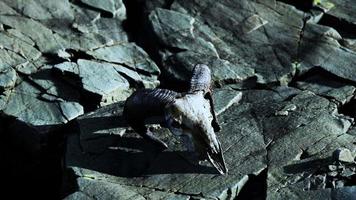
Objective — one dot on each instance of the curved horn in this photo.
(144, 104)
(201, 81)
(201, 78)
(149, 102)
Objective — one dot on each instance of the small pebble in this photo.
(332, 174)
(339, 184)
(332, 167)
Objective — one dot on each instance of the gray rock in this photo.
(210, 36)
(167, 171)
(349, 43)
(91, 188)
(225, 98)
(332, 174)
(4, 98)
(53, 88)
(23, 103)
(303, 129)
(128, 54)
(115, 7)
(285, 111)
(339, 184)
(44, 38)
(352, 131)
(347, 173)
(21, 48)
(332, 167)
(7, 79)
(318, 45)
(343, 10)
(42, 10)
(284, 84)
(98, 78)
(343, 155)
(319, 182)
(324, 86)
(6, 10)
(106, 121)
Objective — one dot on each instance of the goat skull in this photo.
(189, 116)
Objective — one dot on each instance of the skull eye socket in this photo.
(176, 124)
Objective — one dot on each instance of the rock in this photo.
(24, 104)
(349, 43)
(327, 47)
(115, 7)
(43, 37)
(90, 188)
(343, 155)
(332, 167)
(319, 182)
(347, 173)
(170, 169)
(283, 81)
(343, 10)
(224, 98)
(98, 78)
(128, 54)
(209, 36)
(40, 10)
(294, 132)
(332, 173)
(285, 111)
(339, 184)
(326, 85)
(7, 79)
(323, 4)
(106, 121)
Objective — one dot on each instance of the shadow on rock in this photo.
(307, 166)
(130, 156)
(33, 159)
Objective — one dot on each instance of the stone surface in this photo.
(238, 54)
(35, 38)
(159, 170)
(98, 78)
(343, 155)
(115, 7)
(128, 54)
(324, 85)
(284, 82)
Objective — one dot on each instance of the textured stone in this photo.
(224, 98)
(98, 78)
(210, 36)
(344, 10)
(128, 54)
(164, 170)
(115, 7)
(43, 37)
(24, 104)
(325, 86)
(343, 155)
(283, 82)
(318, 45)
(7, 78)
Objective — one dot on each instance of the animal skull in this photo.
(189, 116)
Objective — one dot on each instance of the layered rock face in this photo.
(284, 77)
